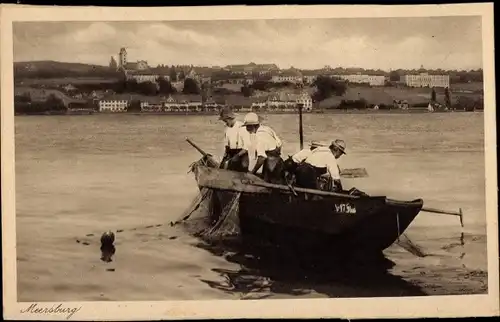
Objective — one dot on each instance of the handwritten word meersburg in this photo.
(54, 309)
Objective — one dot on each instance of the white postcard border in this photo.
(431, 306)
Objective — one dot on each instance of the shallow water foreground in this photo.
(81, 175)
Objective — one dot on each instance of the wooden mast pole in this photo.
(301, 130)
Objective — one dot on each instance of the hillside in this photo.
(52, 69)
(387, 95)
(42, 94)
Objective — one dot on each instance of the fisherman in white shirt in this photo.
(267, 149)
(236, 138)
(293, 161)
(304, 153)
(321, 162)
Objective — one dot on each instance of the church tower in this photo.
(123, 58)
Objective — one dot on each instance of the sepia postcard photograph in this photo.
(249, 162)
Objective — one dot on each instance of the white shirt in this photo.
(266, 140)
(301, 155)
(322, 157)
(250, 147)
(236, 137)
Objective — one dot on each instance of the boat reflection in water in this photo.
(265, 274)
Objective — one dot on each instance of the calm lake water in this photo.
(79, 174)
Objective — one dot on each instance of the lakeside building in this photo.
(426, 80)
(182, 102)
(306, 100)
(309, 79)
(196, 103)
(114, 103)
(253, 68)
(151, 104)
(373, 80)
(283, 101)
(153, 74)
(239, 81)
(259, 103)
(198, 77)
(174, 103)
(291, 75)
(142, 77)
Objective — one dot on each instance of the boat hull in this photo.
(312, 221)
(316, 226)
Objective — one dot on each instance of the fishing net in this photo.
(213, 214)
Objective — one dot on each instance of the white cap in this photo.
(251, 119)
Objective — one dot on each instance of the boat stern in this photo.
(381, 230)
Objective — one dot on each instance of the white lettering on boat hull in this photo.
(345, 208)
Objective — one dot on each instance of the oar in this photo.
(210, 160)
(440, 211)
(297, 189)
(411, 247)
(446, 212)
(416, 250)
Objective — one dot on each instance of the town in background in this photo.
(49, 87)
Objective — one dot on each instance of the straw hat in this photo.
(226, 113)
(251, 119)
(339, 144)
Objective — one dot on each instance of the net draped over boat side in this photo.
(213, 214)
(225, 214)
(195, 218)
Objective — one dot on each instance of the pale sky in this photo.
(385, 43)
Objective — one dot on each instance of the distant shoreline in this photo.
(212, 113)
(336, 111)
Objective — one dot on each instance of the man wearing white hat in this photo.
(235, 139)
(322, 161)
(267, 149)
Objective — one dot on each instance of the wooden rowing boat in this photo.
(307, 219)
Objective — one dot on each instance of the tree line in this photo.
(178, 72)
(24, 105)
(21, 73)
(60, 70)
(326, 87)
(263, 85)
(162, 86)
